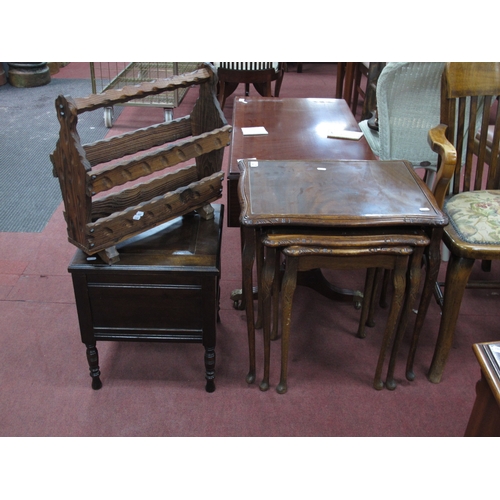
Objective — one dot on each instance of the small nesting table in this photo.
(339, 251)
(164, 288)
(367, 197)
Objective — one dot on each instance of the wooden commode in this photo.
(164, 288)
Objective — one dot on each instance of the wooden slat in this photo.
(205, 116)
(129, 93)
(148, 163)
(481, 153)
(144, 191)
(138, 140)
(495, 152)
(459, 141)
(471, 133)
(109, 231)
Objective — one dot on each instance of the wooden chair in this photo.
(260, 74)
(358, 79)
(486, 264)
(466, 187)
(96, 225)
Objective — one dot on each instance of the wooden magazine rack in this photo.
(96, 225)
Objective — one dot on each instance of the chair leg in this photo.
(457, 275)
(340, 80)
(355, 91)
(277, 86)
(263, 88)
(225, 90)
(348, 82)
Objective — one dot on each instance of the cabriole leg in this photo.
(399, 281)
(287, 292)
(265, 299)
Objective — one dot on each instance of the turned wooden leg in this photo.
(413, 282)
(399, 280)
(287, 291)
(210, 369)
(93, 360)
(265, 298)
(457, 275)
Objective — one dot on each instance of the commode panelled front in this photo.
(147, 307)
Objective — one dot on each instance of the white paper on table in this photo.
(345, 134)
(254, 130)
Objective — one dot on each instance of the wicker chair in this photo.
(408, 99)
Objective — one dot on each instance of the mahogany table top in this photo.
(342, 193)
